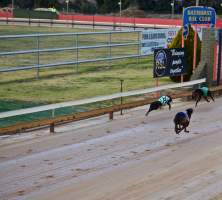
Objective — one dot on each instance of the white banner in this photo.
(156, 38)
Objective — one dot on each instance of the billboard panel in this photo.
(156, 38)
(198, 15)
(169, 62)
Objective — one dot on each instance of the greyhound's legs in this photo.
(185, 130)
(210, 95)
(147, 112)
(178, 128)
(206, 99)
(169, 106)
(198, 99)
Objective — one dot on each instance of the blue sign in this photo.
(169, 62)
(198, 15)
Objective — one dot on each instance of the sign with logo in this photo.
(156, 38)
(169, 62)
(198, 15)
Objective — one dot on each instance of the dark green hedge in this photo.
(22, 13)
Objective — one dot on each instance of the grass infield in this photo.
(22, 89)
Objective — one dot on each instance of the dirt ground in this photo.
(132, 157)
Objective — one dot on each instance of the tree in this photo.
(24, 4)
(88, 8)
(5, 3)
(46, 3)
(146, 5)
(109, 6)
(189, 46)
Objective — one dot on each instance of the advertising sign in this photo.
(156, 38)
(198, 15)
(169, 62)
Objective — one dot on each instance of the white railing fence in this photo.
(52, 107)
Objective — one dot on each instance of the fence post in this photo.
(51, 22)
(138, 49)
(29, 19)
(52, 128)
(111, 115)
(77, 53)
(110, 48)
(38, 58)
(7, 18)
(52, 124)
(114, 23)
(121, 98)
(93, 22)
(219, 56)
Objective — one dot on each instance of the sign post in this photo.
(181, 77)
(157, 85)
(195, 48)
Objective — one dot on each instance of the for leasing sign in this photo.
(156, 38)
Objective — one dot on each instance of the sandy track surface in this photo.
(132, 157)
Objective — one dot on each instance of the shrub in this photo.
(189, 47)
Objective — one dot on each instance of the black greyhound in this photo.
(182, 120)
(202, 92)
(162, 101)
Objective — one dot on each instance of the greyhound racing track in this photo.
(132, 157)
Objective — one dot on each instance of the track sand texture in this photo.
(132, 157)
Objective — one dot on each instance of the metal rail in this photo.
(64, 34)
(64, 63)
(66, 48)
(112, 25)
(109, 44)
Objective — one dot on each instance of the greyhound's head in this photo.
(189, 112)
(170, 99)
(196, 94)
